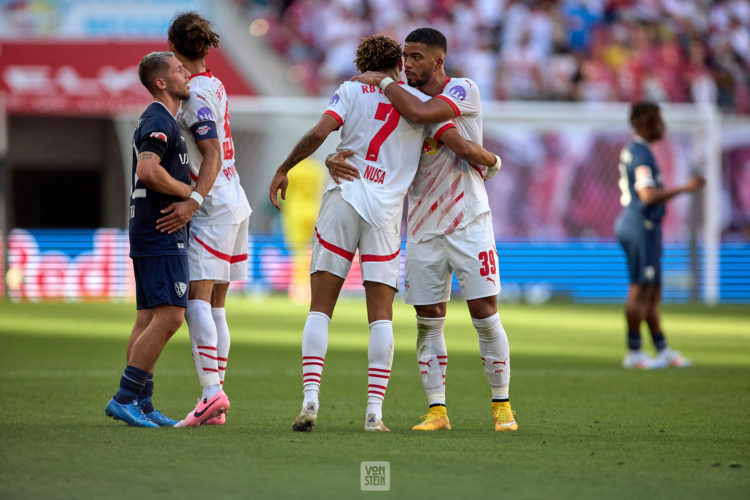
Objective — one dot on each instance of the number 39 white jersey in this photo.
(226, 203)
(387, 150)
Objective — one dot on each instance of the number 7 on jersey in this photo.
(390, 116)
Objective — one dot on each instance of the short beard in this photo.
(416, 83)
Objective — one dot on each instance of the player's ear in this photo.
(400, 65)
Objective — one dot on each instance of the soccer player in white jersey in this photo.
(449, 229)
(217, 252)
(363, 215)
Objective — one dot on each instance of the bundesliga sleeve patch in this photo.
(457, 92)
(205, 115)
(334, 100)
(159, 135)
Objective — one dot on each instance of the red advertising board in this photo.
(87, 77)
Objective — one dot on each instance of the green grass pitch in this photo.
(588, 428)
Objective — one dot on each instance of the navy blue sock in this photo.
(131, 384)
(634, 340)
(500, 400)
(144, 398)
(659, 341)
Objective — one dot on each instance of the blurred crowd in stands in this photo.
(581, 50)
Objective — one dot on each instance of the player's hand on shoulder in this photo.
(339, 168)
(280, 181)
(369, 77)
(176, 216)
(695, 183)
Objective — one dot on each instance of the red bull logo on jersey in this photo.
(159, 135)
(375, 175)
(430, 146)
(203, 130)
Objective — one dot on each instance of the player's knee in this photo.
(431, 311)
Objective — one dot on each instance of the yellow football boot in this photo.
(436, 420)
(504, 416)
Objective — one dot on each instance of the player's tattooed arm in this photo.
(307, 145)
(149, 170)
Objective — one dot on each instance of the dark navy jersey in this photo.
(638, 169)
(158, 132)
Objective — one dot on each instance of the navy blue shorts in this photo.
(161, 279)
(641, 241)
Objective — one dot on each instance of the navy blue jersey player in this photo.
(160, 182)
(638, 228)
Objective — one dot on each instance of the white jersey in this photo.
(387, 149)
(226, 202)
(448, 192)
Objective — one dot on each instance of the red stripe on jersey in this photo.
(379, 258)
(194, 177)
(333, 248)
(210, 370)
(204, 73)
(314, 363)
(208, 356)
(334, 115)
(379, 370)
(228, 258)
(455, 223)
(379, 376)
(478, 170)
(222, 359)
(445, 84)
(210, 348)
(375, 393)
(222, 368)
(313, 357)
(442, 130)
(378, 386)
(442, 357)
(452, 104)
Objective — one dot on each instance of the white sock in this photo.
(493, 347)
(432, 358)
(379, 361)
(222, 340)
(314, 347)
(203, 338)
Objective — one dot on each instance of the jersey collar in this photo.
(640, 140)
(205, 73)
(445, 84)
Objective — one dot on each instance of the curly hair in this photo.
(192, 36)
(377, 53)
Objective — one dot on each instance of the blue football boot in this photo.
(130, 413)
(160, 419)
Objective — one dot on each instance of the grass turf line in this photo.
(588, 428)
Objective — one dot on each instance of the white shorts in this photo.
(469, 252)
(218, 252)
(340, 231)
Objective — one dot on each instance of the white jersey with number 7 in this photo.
(387, 150)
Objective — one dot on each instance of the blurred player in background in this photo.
(218, 233)
(362, 215)
(638, 228)
(449, 230)
(306, 183)
(160, 179)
